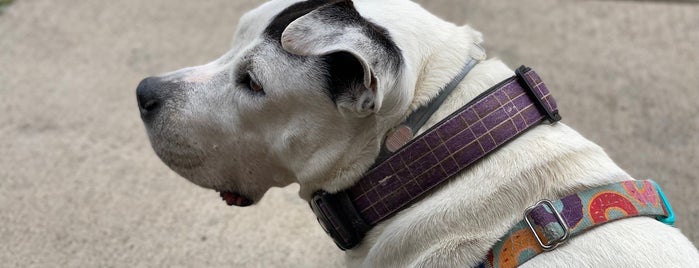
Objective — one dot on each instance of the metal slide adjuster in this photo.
(551, 245)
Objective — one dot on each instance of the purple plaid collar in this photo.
(488, 122)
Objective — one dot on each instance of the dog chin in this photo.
(231, 197)
(191, 165)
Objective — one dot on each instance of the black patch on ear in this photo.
(338, 11)
(345, 74)
(275, 28)
(344, 12)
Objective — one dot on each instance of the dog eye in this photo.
(251, 83)
(255, 86)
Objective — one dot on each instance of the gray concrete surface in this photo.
(80, 187)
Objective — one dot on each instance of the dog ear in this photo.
(360, 55)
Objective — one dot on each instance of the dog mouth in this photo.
(235, 199)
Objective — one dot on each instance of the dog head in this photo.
(305, 95)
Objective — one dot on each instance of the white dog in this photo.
(310, 89)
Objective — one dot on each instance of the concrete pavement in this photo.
(80, 186)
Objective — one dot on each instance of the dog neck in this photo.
(456, 224)
(467, 215)
(421, 80)
(459, 221)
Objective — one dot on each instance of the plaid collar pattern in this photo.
(488, 122)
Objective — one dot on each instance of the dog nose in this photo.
(149, 101)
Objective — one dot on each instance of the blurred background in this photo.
(80, 186)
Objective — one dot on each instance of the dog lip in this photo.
(235, 199)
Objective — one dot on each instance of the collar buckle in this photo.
(339, 219)
(553, 244)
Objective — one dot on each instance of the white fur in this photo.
(248, 144)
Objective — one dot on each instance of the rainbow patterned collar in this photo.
(549, 224)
